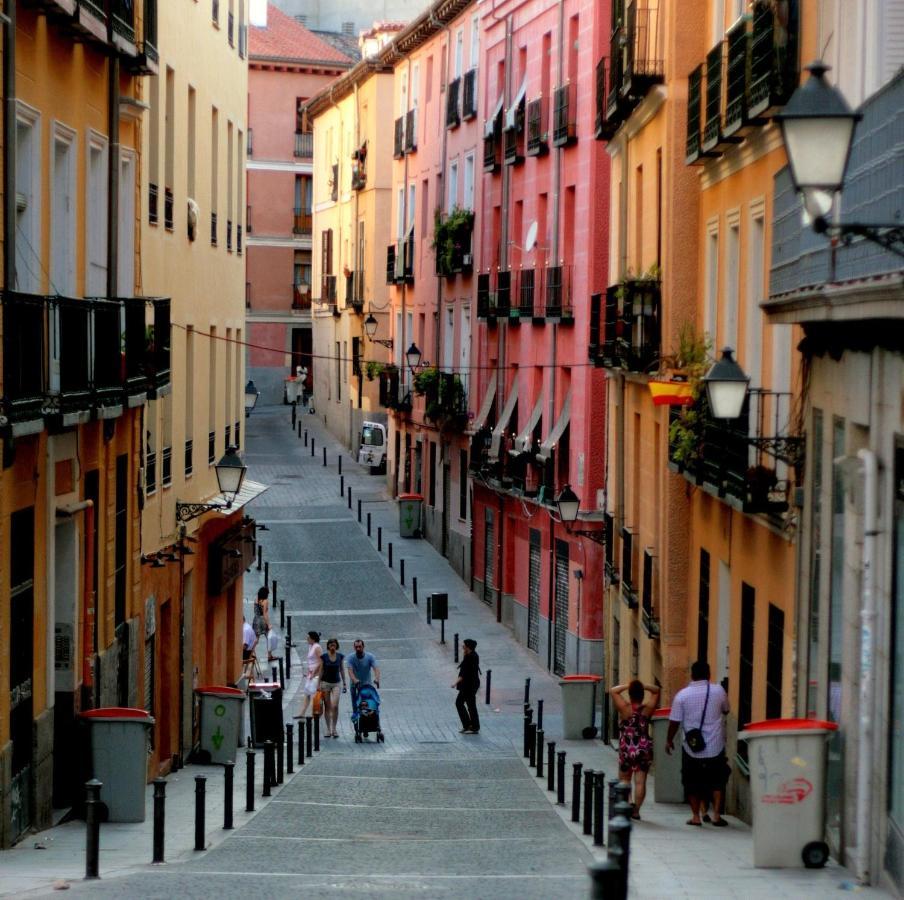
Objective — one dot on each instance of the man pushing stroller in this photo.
(365, 677)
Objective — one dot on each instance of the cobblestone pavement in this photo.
(430, 813)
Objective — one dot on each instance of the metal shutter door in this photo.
(489, 552)
(561, 606)
(533, 593)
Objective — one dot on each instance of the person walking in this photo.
(699, 709)
(362, 669)
(312, 673)
(635, 746)
(468, 683)
(261, 619)
(331, 675)
(249, 645)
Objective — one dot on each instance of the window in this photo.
(338, 374)
(463, 484)
(227, 380)
(753, 324)
(229, 163)
(468, 184)
(814, 670)
(345, 362)
(453, 186)
(431, 477)
(189, 398)
(120, 537)
(712, 279)
(703, 608)
(775, 654)
(403, 92)
(449, 339)
(62, 212)
(190, 144)
(475, 40)
(96, 231)
(212, 395)
(411, 208)
(464, 346)
(169, 147)
(126, 228)
(214, 168)
(153, 148)
(745, 663)
(729, 337)
(458, 59)
(400, 213)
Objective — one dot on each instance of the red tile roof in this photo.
(284, 38)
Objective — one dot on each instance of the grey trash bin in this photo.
(578, 706)
(119, 759)
(221, 721)
(667, 785)
(410, 515)
(787, 787)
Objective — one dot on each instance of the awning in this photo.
(558, 430)
(480, 419)
(511, 112)
(671, 393)
(250, 490)
(490, 124)
(502, 424)
(525, 438)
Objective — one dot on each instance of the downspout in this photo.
(440, 322)
(9, 146)
(112, 162)
(867, 671)
(357, 251)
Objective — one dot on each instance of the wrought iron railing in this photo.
(774, 68)
(189, 457)
(737, 65)
(526, 292)
(453, 108)
(411, 131)
(564, 130)
(558, 292)
(469, 94)
(302, 221)
(626, 332)
(123, 19)
(327, 288)
(304, 145)
(692, 148)
(712, 122)
(168, 208)
(536, 128)
(213, 228)
(152, 203)
(398, 145)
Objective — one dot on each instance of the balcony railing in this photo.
(359, 175)
(24, 356)
(394, 394)
(229, 234)
(513, 138)
(469, 94)
(189, 457)
(168, 208)
(604, 128)
(157, 359)
(446, 402)
(149, 42)
(354, 290)
(304, 144)
(536, 128)
(411, 131)
(328, 289)
(485, 298)
(503, 292)
(773, 57)
(650, 620)
(712, 120)
(454, 254)
(692, 148)
(213, 229)
(558, 293)
(498, 295)
(301, 295)
(453, 109)
(400, 262)
(631, 325)
(492, 145)
(211, 447)
(302, 221)
(564, 131)
(526, 293)
(238, 239)
(738, 41)
(152, 203)
(123, 19)
(398, 146)
(391, 264)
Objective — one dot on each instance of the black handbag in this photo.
(694, 738)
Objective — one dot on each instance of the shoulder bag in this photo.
(694, 738)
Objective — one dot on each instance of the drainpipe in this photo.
(867, 671)
(440, 322)
(9, 146)
(352, 443)
(112, 161)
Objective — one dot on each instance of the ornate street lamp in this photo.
(726, 386)
(370, 329)
(569, 505)
(818, 130)
(252, 394)
(413, 355)
(230, 472)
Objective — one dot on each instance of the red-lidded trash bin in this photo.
(410, 515)
(221, 721)
(579, 706)
(667, 786)
(266, 712)
(119, 759)
(787, 759)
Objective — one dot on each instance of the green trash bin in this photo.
(119, 759)
(410, 515)
(579, 706)
(221, 721)
(667, 785)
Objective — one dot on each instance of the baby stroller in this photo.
(366, 717)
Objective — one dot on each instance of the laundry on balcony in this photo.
(552, 439)
(671, 393)
(525, 439)
(502, 424)
(486, 405)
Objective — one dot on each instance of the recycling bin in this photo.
(119, 759)
(410, 515)
(221, 721)
(667, 786)
(266, 713)
(787, 759)
(579, 706)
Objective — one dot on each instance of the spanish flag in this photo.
(671, 393)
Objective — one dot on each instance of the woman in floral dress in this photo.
(635, 745)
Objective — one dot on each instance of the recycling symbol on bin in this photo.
(409, 519)
(219, 710)
(217, 738)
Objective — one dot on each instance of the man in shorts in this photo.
(362, 669)
(704, 772)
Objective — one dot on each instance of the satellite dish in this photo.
(531, 238)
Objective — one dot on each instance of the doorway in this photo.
(561, 607)
(489, 554)
(66, 654)
(533, 592)
(447, 501)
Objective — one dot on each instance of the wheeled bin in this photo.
(667, 786)
(410, 515)
(787, 759)
(221, 721)
(266, 713)
(119, 759)
(579, 706)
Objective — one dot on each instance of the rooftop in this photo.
(288, 40)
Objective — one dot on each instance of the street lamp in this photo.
(818, 130)
(230, 472)
(251, 397)
(413, 355)
(370, 329)
(726, 386)
(569, 504)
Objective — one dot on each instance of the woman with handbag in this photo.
(331, 675)
(313, 672)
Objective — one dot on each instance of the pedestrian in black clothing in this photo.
(468, 683)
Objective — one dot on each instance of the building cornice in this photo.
(343, 86)
(328, 67)
(755, 146)
(850, 301)
(638, 120)
(277, 165)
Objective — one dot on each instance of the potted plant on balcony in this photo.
(450, 239)
(761, 483)
(373, 369)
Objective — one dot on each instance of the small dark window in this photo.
(121, 537)
(775, 657)
(432, 476)
(745, 667)
(703, 607)
(463, 484)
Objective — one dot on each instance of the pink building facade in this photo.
(543, 243)
(430, 266)
(287, 65)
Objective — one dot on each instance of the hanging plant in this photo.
(449, 236)
(426, 380)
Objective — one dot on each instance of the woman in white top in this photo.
(314, 668)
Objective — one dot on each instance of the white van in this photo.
(372, 447)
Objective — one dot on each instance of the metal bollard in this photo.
(539, 714)
(260, 558)
(280, 761)
(620, 847)
(288, 647)
(294, 415)
(159, 818)
(599, 788)
(312, 445)
(274, 674)
(429, 608)
(274, 599)
(606, 880)
(528, 720)
(402, 572)
(249, 779)
(560, 778)
(309, 736)
(282, 673)
(200, 797)
(339, 464)
(532, 744)
(324, 455)
(359, 511)
(267, 574)
(539, 752)
(550, 766)
(300, 743)
(368, 524)
(489, 683)
(414, 589)
(576, 791)
(317, 733)
(341, 485)
(306, 437)
(588, 801)
(268, 768)
(299, 431)
(622, 792)
(228, 781)
(527, 690)
(612, 798)
(379, 538)
(92, 828)
(389, 552)
(290, 746)
(456, 646)
(349, 491)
